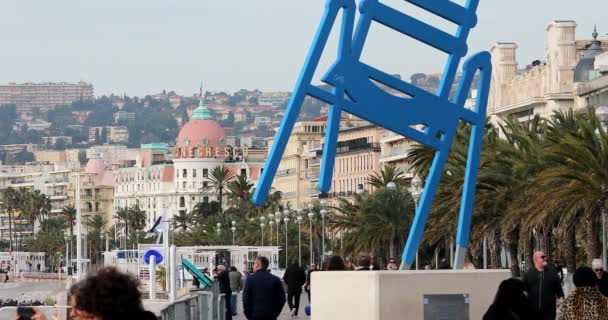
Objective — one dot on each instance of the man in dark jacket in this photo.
(295, 278)
(364, 262)
(224, 279)
(263, 295)
(543, 287)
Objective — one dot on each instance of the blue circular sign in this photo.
(152, 252)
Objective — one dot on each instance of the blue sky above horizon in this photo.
(141, 47)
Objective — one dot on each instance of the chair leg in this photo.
(424, 208)
(329, 149)
(482, 62)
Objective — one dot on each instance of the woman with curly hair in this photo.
(108, 295)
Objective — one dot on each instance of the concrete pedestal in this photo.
(389, 295)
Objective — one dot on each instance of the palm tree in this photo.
(218, 179)
(137, 220)
(387, 174)
(184, 220)
(375, 221)
(240, 190)
(69, 216)
(578, 180)
(10, 200)
(123, 216)
(97, 224)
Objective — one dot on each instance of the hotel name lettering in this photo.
(211, 152)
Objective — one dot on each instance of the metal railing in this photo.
(206, 304)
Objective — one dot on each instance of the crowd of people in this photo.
(110, 294)
(539, 295)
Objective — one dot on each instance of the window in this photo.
(182, 202)
(243, 172)
(185, 173)
(205, 199)
(184, 184)
(193, 199)
(193, 173)
(205, 173)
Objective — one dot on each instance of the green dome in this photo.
(201, 113)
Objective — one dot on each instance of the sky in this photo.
(141, 47)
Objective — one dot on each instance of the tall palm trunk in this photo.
(593, 243)
(569, 243)
(495, 247)
(10, 229)
(513, 240)
(221, 192)
(528, 248)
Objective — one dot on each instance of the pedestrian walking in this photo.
(586, 301)
(263, 294)
(510, 303)
(543, 287)
(313, 268)
(224, 281)
(295, 278)
(236, 285)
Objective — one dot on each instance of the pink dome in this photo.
(204, 132)
(95, 165)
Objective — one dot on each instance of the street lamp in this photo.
(277, 216)
(101, 237)
(323, 214)
(311, 215)
(271, 224)
(233, 229)
(219, 229)
(65, 237)
(262, 219)
(601, 113)
(416, 183)
(299, 219)
(286, 220)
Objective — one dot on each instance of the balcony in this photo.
(312, 192)
(312, 176)
(285, 172)
(315, 162)
(58, 197)
(391, 137)
(358, 147)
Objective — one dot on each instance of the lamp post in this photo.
(286, 220)
(416, 183)
(66, 238)
(277, 219)
(601, 113)
(323, 214)
(271, 224)
(299, 219)
(311, 215)
(101, 237)
(233, 229)
(219, 229)
(262, 219)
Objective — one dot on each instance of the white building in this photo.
(177, 180)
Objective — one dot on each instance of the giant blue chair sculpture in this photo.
(355, 91)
